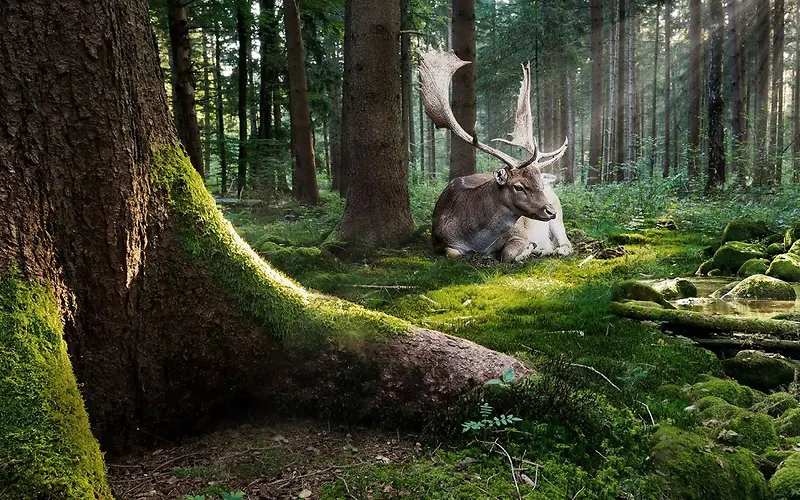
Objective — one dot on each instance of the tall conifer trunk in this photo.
(462, 155)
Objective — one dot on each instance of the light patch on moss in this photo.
(290, 312)
(46, 447)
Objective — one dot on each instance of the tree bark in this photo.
(715, 103)
(622, 93)
(776, 109)
(208, 118)
(304, 175)
(667, 78)
(762, 26)
(185, 111)
(405, 83)
(796, 101)
(595, 138)
(695, 88)
(221, 143)
(653, 128)
(335, 124)
(462, 155)
(734, 10)
(378, 209)
(169, 317)
(266, 38)
(242, 29)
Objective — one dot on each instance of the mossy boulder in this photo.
(672, 391)
(775, 249)
(678, 288)
(635, 290)
(733, 254)
(761, 287)
(705, 267)
(690, 467)
(788, 316)
(788, 424)
(715, 273)
(728, 390)
(776, 404)
(792, 235)
(759, 370)
(735, 425)
(707, 402)
(785, 483)
(744, 230)
(46, 447)
(753, 266)
(795, 250)
(785, 267)
(720, 292)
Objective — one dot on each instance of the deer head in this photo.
(520, 181)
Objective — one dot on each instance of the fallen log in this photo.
(714, 323)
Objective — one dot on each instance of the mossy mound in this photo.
(775, 249)
(735, 425)
(795, 250)
(689, 467)
(720, 292)
(759, 370)
(733, 254)
(788, 424)
(705, 268)
(776, 404)
(46, 447)
(296, 260)
(788, 316)
(629, 239)
(759, 286)
(753, 266)
(678, 288)
(728, 390)
(634, 290)
(672, 391)
(785, 267)
(744, 230)
(707, 402)
(719, 273)
(792, 235)
(785, 483)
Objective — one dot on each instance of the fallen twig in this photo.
(597, 372)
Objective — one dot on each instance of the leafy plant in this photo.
(194, 497)
(489, 422)
(233, 495)
(508, 377)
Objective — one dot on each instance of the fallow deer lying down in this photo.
(476, 213)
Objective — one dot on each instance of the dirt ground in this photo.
(264, 460)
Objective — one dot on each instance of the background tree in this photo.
(595, 146)
(715, 104)
(462, 155)
(695, 87)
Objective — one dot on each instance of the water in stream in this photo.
(740, 307)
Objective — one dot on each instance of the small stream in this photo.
(756, 308)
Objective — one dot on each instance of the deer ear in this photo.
(501, 176)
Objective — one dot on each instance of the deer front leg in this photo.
(557, 232)
(516, 250)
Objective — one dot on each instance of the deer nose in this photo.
(550, 211)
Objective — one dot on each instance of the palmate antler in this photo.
(436, 71)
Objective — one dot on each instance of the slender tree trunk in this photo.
(778, 23)
(653, 128)
(242, 13)
(715, 104)
(762, 91)
(631, 102)
(221, 145)
(796, 101)
(612, 93)
(695, 88)
(571, 163)
(622, 92)
(667, 85)
(266, 49)
(735, 66)
(208, 119)
(378, 209)
(462, 155)
(422, 119)
(304, 176)
(335, 124)
(595, 138)
(186, 111)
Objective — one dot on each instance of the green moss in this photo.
(677, 288)
(706, 267)
(759, 286)
(291, 313)
(785, 483)
(759, 370)
(46, 447)
(785, 267)
(744, 230)
(689, 467)
(733, 254)
(775, 248)
(629, 239)
(728, 390)
(795, 250)
(788, 424)
(753, 266)
(792, 235)
(634, 290)
(707, 402)
(776, 404)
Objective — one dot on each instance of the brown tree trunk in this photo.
(653, 128)
(695, 88)
(405, 83)
(762, 25)
(462, 155)
(168, 315)
(776, 109)
(613, 57)
(266, 49)
(667, 78)
(222, 150)
(208, 118)
(595, 137)
(335, 125)
(242, 34)
(715, 103)
(185, 111)
(734, 10)
(304, 176)
(378, 209)
(622, 93)
(796, 102)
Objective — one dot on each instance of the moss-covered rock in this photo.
(678, 288)
(720, 292)
(690, 467)
(707, 402)
(729, 390)
(775, 249)
(735, 425)
(733, 254)
(705, 267)
(776, 404)
(629, 239)
(795, 248)
(785, 483)
(46, 447)
(715, 273)
(785, 267)
(635, 290)
(744, 230)
(792, 235)
(672, 391)
(753, 266)
(788, 316)
(759, 370)
(761, 287)
(788, 424)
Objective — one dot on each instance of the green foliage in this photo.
(489, 422)
(46, 447)
(233, 495)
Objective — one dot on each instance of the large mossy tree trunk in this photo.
(169, 317)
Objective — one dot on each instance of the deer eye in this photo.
(518, 188)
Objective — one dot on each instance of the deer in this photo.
(505, 213)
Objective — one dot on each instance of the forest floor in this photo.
(587, 417)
